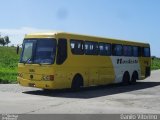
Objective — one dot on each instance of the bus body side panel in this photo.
(65, 73)
(124, 64)
(95, 70)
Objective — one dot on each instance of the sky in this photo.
(135, 20)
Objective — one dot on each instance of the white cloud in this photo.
(17, 35)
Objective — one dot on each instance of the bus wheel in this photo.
(126, 78)
(134, 78)
(77, 83)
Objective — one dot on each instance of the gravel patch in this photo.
(15, 88)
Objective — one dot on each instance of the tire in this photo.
(77, 83)
(134, 78)
(126, 79)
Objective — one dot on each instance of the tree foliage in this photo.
(4, 40)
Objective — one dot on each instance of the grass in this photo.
(155, 64)
(9, 61)
(8, 64)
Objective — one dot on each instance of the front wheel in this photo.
(77, 83)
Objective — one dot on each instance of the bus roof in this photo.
(74, 35)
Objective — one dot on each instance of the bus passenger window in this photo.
(104, 49)
(116, 50)
(135, 51)
(95, 48)
(77, 47)
(88, 48)
(127, 50)
(91, 48)
(146, 52)
(62, 51)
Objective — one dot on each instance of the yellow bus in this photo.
(60, 60)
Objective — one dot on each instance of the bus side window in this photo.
(95, 48)
(127, 50)
(117, 50)
(77, 47)
(91, 48)
(62, 51)
(135, 51)
(88, 48)
(146, 52)
(104, 49)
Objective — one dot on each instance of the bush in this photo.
(155, 64)
(8, 64)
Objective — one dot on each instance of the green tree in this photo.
(6, 39)
(2, 41)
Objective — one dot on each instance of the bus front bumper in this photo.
(35, 84)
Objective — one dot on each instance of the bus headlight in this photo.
(20, 75)
(48, 77)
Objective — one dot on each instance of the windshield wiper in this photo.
(44, 63)
(27, 60)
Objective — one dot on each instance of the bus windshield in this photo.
(38, 51)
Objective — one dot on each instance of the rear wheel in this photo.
(77, 83)
(126, 78)
(134, 78)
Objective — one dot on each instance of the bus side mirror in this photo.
(17, 49)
